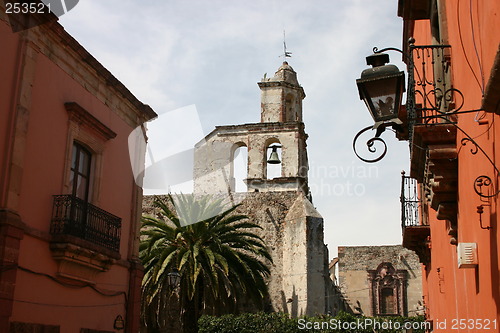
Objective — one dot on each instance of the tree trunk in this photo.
(189, 316)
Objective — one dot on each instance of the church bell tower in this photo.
(280, 203)
(281, 97)
(280, 130)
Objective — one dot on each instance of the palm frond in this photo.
(210, 245)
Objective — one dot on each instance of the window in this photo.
(87, 137)
(388, 290)
(79, 228)
(387, 301)
(80, 172)
(435, 23)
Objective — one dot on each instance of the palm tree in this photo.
(219, 258)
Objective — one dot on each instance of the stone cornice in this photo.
(255, 127)
(51, 40)
(82, 116)
(434, 162)
(263, 84)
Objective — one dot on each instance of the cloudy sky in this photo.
(209, 55)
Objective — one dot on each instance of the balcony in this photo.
(416, 234)
(75, 217)
(431, 98)
(85, 238)
(433, 104)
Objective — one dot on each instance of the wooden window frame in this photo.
(92, 134)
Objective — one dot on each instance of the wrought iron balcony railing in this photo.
(416, 231)
(78, 218)
(431, 97)
(410, 203)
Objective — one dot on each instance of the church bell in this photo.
(274, 158)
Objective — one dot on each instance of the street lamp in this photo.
(381, 88)
(174, 279)
(119, 323)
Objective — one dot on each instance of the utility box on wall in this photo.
(467, 255)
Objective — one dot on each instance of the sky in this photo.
(207, 57)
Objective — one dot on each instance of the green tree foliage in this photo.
(282, 323)
(219, 257)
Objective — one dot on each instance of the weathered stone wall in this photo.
(269, 210)
(281, 96)
(291, 228)
(356, 261)
(294, 238)
(304, 264)
(281, 124)
(213, 157)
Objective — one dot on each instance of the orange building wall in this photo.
(8, 75)
(38, 298)
(454, 294)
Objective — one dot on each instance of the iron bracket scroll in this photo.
(370, 144)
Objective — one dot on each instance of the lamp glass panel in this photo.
(173, 279)
(382, 97)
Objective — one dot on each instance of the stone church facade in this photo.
(379, 280)
(291, 227)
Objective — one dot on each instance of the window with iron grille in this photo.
(410, 202)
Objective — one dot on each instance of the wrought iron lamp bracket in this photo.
(371, 143)
(376, 50)
(433, 91)
(481, 182)
(438, 97)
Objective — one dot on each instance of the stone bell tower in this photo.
(280, 126)
(281, 97)
(291, 227)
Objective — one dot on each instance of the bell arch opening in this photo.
(273, 165)
(239, 167)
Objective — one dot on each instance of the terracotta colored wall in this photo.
(41, 145)
(8, 62)
(468, 293)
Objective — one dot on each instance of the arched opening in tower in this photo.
(239, 168)
(273, 161)
(290, 108)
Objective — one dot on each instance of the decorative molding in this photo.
(277, 184)
(81, 116)
(434, 163)
(417, 238)
(387, 277)
(80, 263)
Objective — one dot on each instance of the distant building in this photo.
(378, 281)
(69, 205)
